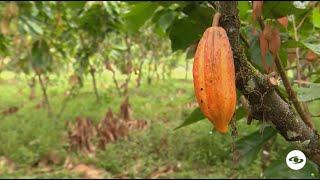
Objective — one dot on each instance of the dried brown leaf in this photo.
(275, 41)
(283, 21)
(267, 32)
(257, 9)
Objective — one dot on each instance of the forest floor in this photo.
(35, 146)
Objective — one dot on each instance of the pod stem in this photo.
(216, 18)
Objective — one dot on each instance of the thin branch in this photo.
(292, 95)
(295, 30)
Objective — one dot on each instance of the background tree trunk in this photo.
(94, 83)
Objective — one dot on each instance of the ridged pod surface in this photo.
(214, 78)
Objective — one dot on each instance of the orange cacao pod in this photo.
(214, 78)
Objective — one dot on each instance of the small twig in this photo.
(295, 30)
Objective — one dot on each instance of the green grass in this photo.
(30, 135)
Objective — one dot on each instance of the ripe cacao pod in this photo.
(214, 78)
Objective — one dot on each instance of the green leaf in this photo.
(292, 44)
(283, 54)
(194, 117)
(187, 30)
(255, 52)
(41, 57)
(240, 113)
(197, 115)
(249, 146)
(183, 33)
(75, 4)
(314, 47)
(33, 25)
(317, 80)
(200, 14)
(166, 19)
(279, 169)
(277, 9)
(191, 51)
(244, 9)
(139, 14)
(306, 28)
(310, 93)
(316, 17)
(163, 20)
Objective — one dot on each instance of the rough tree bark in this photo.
(265, 102)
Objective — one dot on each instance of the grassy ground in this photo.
(191, 152)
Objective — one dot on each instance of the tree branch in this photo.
(292, 95)
(265, 102)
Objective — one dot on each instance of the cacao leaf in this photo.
(311, 93)
(194, 117)
(314, 47)
(276, 9)
(249, 146)
(139, 14)
(316, 17)
(180, 38)
(244, 8)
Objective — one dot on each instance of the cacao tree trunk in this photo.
(94, 83)
(66, 100)
(156, 71)
(32, 85)
(116, 82)
(140, 73)
(187, 68)
(149, 72)
(45, 95)
(163, 71)
(265, 103)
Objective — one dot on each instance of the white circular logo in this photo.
(296, 160)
